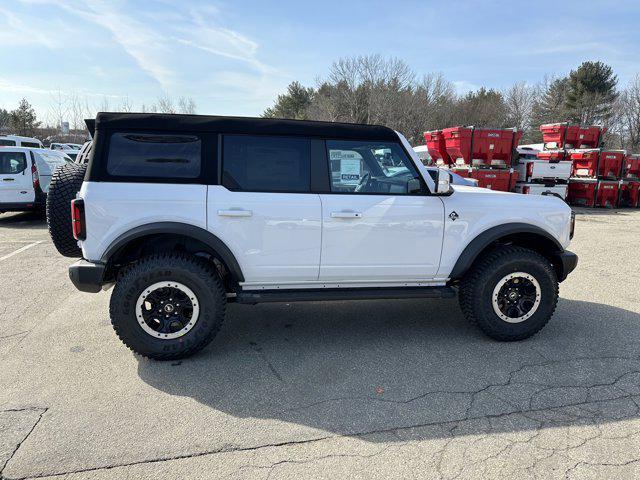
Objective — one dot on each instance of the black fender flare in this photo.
(486, 238)
(185, 229)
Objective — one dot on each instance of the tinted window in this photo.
(152, 155)
(7, 143)
(30, 144)
(266, 164)
(12, 162)
(369, 167)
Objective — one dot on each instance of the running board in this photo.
(338, 294)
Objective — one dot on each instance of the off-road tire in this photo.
(476, 289)
(193, 272)
(65, 183)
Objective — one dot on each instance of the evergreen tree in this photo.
(591, 93)
(293, 104)
(23, 119)
(550, 107)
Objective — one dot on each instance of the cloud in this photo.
(464, 86)
(159, 37)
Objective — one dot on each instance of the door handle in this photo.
(235, 213)
(8, 179)
(346, 215)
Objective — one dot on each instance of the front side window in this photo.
(266, 164)
(154, 155)
(12, 163)
(370, 167)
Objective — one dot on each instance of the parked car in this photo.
(18, 141)
(183, 214)
(25, 174)
(65, 146)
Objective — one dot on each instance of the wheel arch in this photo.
(168, 236)
(521, 234)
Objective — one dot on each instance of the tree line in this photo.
(73, 109)
(378, 90)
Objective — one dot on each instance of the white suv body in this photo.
(274, 237)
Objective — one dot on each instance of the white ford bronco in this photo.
(182, 214)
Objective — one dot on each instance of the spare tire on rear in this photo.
(65, 183)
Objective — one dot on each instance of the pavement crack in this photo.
(14, 334)
(15, 450)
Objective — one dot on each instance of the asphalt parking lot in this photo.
(377, 389)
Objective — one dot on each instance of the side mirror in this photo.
(443, 185)
(414, 186)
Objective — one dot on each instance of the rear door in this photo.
(16, 183)
(377, 229)
(264, 210)
(46, 163)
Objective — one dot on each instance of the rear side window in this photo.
(266, 164)
(30, 144)
(12, 162)
(154, 155)
(7, 143)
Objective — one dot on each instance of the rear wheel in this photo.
(510, 293)
(168, 306)
(65, 183)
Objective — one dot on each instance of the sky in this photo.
(234, 57)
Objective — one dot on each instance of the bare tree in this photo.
(165, 104)
(126, 105)
(186, 105)
(627, 119)
(519, 100)
(58, 109)
(104, 105)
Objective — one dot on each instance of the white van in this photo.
(18, 141)
(25, 174)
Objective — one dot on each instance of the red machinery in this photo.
(564, 135)
(630, 193)
(607, 194)
(552, 155)
(481, 146)
(611, 162)
(582, 192)
(585, 162)
(436, 147)
(499, 179)
(632, 166)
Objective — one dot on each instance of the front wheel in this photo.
(510, 293)
(168, 306)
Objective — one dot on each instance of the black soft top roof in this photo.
(245, 125)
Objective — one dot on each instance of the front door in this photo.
(16, 182)
(264, 210)
(377, 228)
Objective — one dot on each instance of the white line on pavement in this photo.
(20, 250)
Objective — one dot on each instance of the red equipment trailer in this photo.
(481, 146)
(607, 193)
(630, 193)
(585, 162)
(437, 148)
(610, 165)
(582, 192)
(632, 166)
